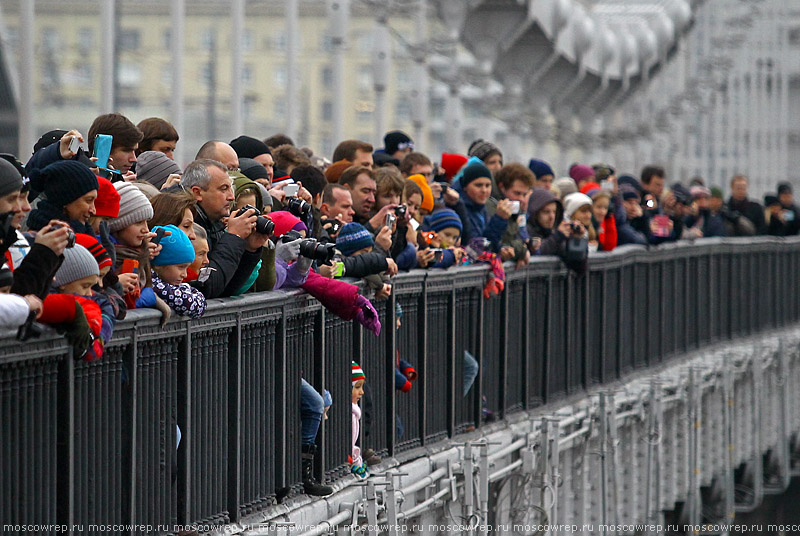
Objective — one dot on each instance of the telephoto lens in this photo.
(312, 249)
(298, 207)
(264, 225)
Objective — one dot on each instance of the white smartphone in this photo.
(414, 224)
(515, 207)
(74, 145)
(291, 190)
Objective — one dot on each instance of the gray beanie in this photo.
(78, 263)
(10, 179)
(155, 167)
(565, 186)
(133, 207)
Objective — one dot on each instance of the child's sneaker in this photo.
(361, 471)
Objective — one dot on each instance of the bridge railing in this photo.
(96, 443)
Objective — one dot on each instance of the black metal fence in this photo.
(84, 444)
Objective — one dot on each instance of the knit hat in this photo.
(540, 168)
(483, 149)
(6, 277)
(133, 207)
(602, 171)
(356, 374)
(700, 191)
(575, 201)
(716, 192)
(397, 140)
(353, 237)
(252, 169)
(247, 147)
(63, 181)
(771, 199)
(107, 201)
(441, 219)
(10, 179)
(589, 186)
(240, 183)
(286, 221)
(580, 172)
(682, 194)
(78, 263)
(49, 138)
(633, 182)
(175, 248)
(427, 193)
(327, 399)
(784, 188)
(628, 192)
(336, 169)
(452, 164)
(155, 167)
(565, 186)
(94, 247)
(473, 171)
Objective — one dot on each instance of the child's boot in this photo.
(310, 484)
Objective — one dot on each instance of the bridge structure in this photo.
(658, 389)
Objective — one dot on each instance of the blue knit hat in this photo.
(441, 219)
(353, 237)
(175, 248)
(540, 168)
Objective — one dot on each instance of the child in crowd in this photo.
(447, 226)
(357, 466)
(100, 291)
(170, 269)
(201, 249)
(604, 222)
(354, 240)
(578, 207)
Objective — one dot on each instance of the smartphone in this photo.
(515, 207)
(413, 223)
(390, 219)
(338, 271)
(75, 145)
(291, 190)
(130, 266)
(607, 185)
(102, 149)
(160, 232)
(437, 254)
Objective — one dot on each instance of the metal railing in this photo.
(95, 443)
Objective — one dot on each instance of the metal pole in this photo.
(26, 126)
(339, 16)
(237, 95)
(419, 94)
(177, 11)
(107, 58)
(381, 64)
(292, 72)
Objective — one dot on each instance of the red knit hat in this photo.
(452, 164)
(107, 202)
(95, 248)
(589, 186)
(285, 222)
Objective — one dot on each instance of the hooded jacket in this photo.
(552, 239)
(480, 223)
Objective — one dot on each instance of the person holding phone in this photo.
(515, 182)
(70, 189)
(475, 188)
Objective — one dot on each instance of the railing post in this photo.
(390, 333)
(65, 506)
(234, 418)
(478, 383)
(502, 395)
(318, 379)
(282, 456)
(129, 439)
(423, 353)
(184, 422)
(451, 365)
(526, 343)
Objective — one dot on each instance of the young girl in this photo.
(578, 207)
(169, 270)
(357, 465)
(604, 222)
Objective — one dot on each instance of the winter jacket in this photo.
(515, 236)
(752, 211)
(230, 264)
(288, 275)
(339, 297)
(710, 224)
(183, 299)
(36, 271)
(606, 233)
(554, 242)
(13, 310)
(365, 264)
(356, 451)
(481, 224)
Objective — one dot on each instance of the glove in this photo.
(303, 264)
(401, 383)
(288, 251)
(361, 471)
(105, 240)
(408, 371)
(78, 333)
(367, 316)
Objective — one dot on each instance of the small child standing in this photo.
(357, 465)
(169, 270)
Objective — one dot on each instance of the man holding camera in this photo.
(234, 244)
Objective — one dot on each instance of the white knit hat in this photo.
(575, 201)
(133, 207)
(78, 263)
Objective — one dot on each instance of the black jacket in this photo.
(35, 273)
(230, 264)
(365, 264)
(752, 211)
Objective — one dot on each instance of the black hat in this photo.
(64, 181)
(49, 138)
(784, 188)
(682, 194)
(397, 140)
(247, 147)
(770, 199)
(6, 277)
(252, 169)
(381, 158)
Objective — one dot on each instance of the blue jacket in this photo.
(481, 224)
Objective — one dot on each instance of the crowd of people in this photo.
(93, 226)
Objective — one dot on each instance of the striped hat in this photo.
(442, 219)
(357, 373)
(353, 237)
(95, 248)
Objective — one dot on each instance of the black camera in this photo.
(298, 207)
(311, 249)
(400, 212)
(70, 234)
(336, 225)
(264, 225)
(575, 227)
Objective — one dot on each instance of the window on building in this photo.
(794, 37)
(205, 75)
(85, 40)
(325, 43)
(247, 40)
(327, 76)
(247, 74)
(280, 75)
(50, 39)
(327, 110)
(279, 42)
(128, 40)
(437, 108)
(402, 111)
(364, 78)
(279, 109)
(207, 39)
(166, 38)
(130, 74)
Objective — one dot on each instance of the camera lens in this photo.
(298, 207)
(265, 226)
